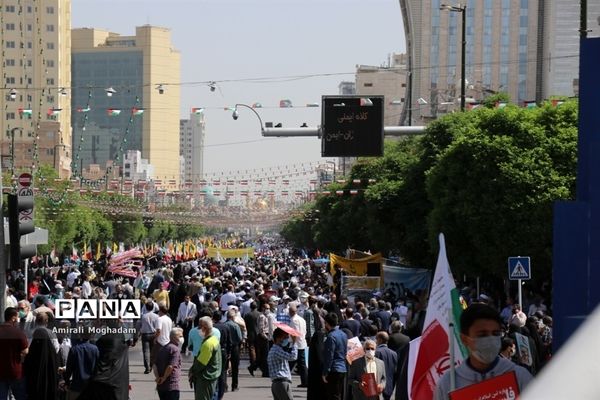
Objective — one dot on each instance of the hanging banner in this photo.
(399, 279)
(218, 252)
(367, 266)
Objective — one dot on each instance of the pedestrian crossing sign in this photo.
(519, 268)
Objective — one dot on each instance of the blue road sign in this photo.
(519, 268)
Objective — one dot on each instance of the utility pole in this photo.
(3, 263)
(583, 20)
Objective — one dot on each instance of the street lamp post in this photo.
(12, 151)
(463, 10)
(235, 115)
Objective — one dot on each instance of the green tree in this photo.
(493, 188)
(493, 100)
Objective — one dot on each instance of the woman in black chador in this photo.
(41, 367)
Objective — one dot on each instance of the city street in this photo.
(251, 388)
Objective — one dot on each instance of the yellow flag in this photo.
(98, 252)
(115, 248)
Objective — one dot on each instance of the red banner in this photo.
(499, 388)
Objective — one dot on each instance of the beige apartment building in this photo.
(129, 89)
(388, 80)
(36, 74)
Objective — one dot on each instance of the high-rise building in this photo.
(191, 146)
(126, 97)
(36, 71)
(561, 45)
(527, 48)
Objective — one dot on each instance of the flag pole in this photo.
(452, 355)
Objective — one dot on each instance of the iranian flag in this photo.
(433, 354)
(74, 254)
(113, 112)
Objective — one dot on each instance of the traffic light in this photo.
(20, 222)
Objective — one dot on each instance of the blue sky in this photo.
(229, 40)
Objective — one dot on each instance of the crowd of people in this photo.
(280, 310)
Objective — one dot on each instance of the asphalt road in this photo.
(250, 388)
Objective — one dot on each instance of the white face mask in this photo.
(181, 340)
(486, 348)
(370, 354)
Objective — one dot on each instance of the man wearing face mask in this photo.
(367, 364)
(26, 318)
(481, 332)
(206, 368)
(168, 366)
(280, 355)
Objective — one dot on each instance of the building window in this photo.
(50, 99)
(10, 27)
(29, 98)
(367, 84)
(403, 85)
(29, 45)
(10, 80)
(29, 63)
(10, 44)
(50, 10)
(50, 46)
(29, 27)
(29, 9)
(10, 62)
(50, 152)
(127, 166)
(30, 81)
(9, 9)
(50, 63)
(49, 28)
(10, 115)
(50, 81)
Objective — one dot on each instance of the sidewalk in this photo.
(251, 388)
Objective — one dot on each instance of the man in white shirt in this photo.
(86, 288)
(147, 326)
(185, 319)
(299, 324)
(402, 311)
(165, 324)
(71, 276)
(226, 298)
(245, 306)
